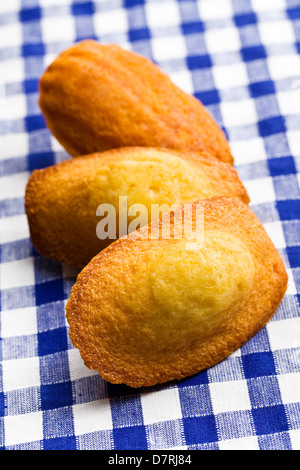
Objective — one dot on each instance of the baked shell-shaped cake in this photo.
(97, 97)
(62, 200)
(151, 309)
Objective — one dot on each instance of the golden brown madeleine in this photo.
(62, 200)
(97, 97)
(147, 311)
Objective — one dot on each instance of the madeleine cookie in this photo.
(147, 311)
(77, 207)
(97, 97)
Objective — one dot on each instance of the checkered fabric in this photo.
(240, 58)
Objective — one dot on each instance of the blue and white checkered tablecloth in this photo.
(241, 58)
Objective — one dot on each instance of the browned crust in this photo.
(41, 200)
(97, 97)
(270, 283)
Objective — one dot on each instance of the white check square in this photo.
(238, 113)
(13, 145)
(289, 101)
(222, 40)
(275, 232)
(13, 6)
(58, 29)
(163, 405)
(230, 76)
(23, 428)
(260, 190)
(183, 79)
(109, 22)
(169, 48)
(17, 273)
(214, 9)
(248, 151)
(295, 438)
(13, 107)
(11, 35)
(244, 443)
(21, 373)
(12, 70)
(19, 322)
(229, 396)
(14, 228)
(50, 3)
(268, 31)
(76, 366)
(289, 385)
(284, 333)
(284, 66)
(268, 5)
(92, 416)
(162, 14)
(13, 186)
(294, 143)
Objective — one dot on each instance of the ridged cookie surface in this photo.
(62, 200)
(147, 311)
(96, 97)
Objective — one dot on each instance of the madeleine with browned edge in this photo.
(147, 311)
(62, 200)
(97, 97)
